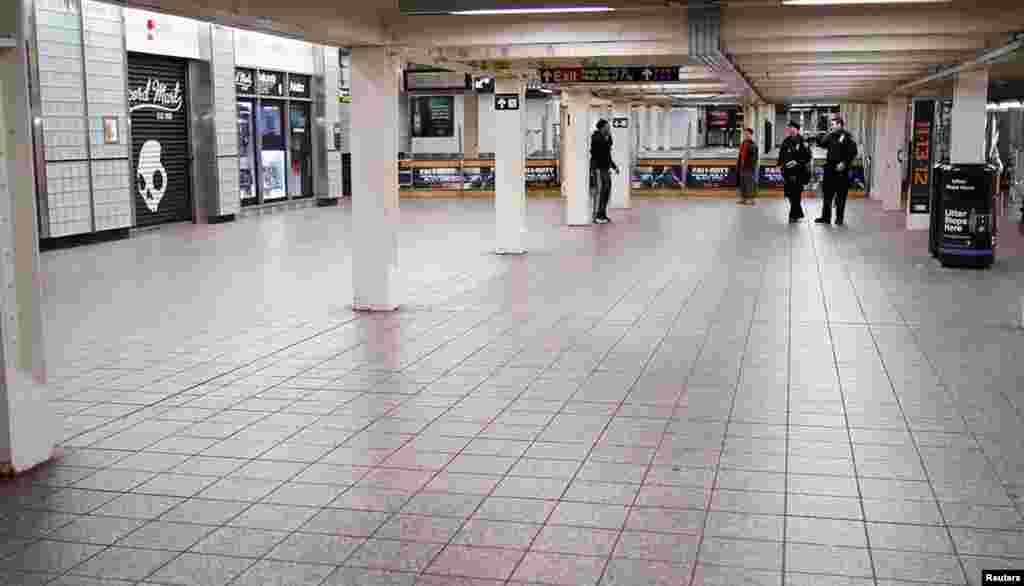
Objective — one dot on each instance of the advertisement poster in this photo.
(440, 178)
(719, 119)
(711, 176)
(541, 178)
(921, 157)
(658, 177)
(481, 178)
(771, 177)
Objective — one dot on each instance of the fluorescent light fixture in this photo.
(853, 2)
(694, 96)
(546, 90)
(539, 10)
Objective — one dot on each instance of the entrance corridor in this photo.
(696, 394)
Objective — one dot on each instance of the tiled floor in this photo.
(696, 394)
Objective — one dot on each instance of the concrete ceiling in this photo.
(835, 53)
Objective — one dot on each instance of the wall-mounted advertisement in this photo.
(658, 177)
(438, 178)
(542, 178)
(771, 177)
(478, 178)
(721, 119)
(273, 175)
(711, 176)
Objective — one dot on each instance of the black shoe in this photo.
(822, 221)
(601, 220)
(794, 220)
(839, 222)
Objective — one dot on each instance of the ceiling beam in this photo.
(469, 31)
(878, 44)
(769, 61)
(814, 22)
(632, 49)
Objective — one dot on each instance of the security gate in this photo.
(158, 101)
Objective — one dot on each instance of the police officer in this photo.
(794, 160)
(842, 150)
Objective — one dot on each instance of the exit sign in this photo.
(506, 102)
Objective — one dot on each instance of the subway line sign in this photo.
(613, 75)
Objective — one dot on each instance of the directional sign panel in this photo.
(505, 102)
(620, 122)
(613, 75)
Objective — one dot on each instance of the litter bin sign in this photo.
(967, 237)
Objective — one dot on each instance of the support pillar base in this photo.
(9, 472)
(918, 222)
(507, 251)
(374, 308)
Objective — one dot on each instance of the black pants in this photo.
(835, 186)
(603, 183)
(794, 189)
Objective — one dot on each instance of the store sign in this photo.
(270, 83)
(298, 86)
(156, 95)
(245, 82)
(701, 176)
(921, 157)
(437, 80)
(506, 102)
(161, 34)
(613, 75)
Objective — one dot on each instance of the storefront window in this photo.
(275, 147)
(432, 116)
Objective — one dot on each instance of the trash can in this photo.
(968, 227)
(935, 209)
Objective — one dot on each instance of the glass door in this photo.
(270, 125)
(247, 164)
(300, 151)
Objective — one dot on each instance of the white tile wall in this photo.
(333, 110)
(68, 198)
(227, 171)
(112, 198)
(59, 35)
(223, 71)
(334, 185)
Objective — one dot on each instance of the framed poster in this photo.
(711, 176)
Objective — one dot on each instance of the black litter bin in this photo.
(967, 227)
(935, 209)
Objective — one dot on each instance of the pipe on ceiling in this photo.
(983, 59)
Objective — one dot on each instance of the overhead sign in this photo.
(620, 122)
(613, 75)
(921, 157)
(506, 102)
(437, 80)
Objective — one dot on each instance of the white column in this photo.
(29, 428)
(879, 123)
(650, 128)
(970, 97)
(375, 215)
(894, 140)
(509, 169)
(622, 154)
(575, 167)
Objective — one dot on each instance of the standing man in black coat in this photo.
(601, 164)
(794, 161)
(842, 150)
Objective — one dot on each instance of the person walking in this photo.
(746, 168)
(601, 164)
(842, 150)
(794, 161)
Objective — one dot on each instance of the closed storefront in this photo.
(158, 102)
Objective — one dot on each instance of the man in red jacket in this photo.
(746, 168)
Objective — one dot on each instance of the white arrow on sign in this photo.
(546, 75)
(648, 74)
(501, 102)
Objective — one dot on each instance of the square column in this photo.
(970, 99)
(650, 129)
(509, 166)
(575, 159)
(622, 154)
(375, 216)
(665, 129)
(894, 149)
(29, 428)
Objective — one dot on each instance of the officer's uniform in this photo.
(836, 184)
(794, 159)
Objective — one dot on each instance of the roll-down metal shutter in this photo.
(158, 98)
